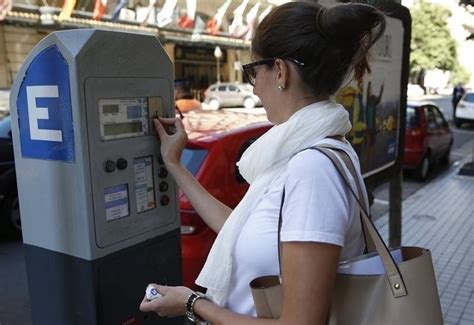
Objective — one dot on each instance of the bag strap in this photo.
(394, 275)
(369, 243)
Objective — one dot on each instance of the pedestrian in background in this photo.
(458, 92)
(184, 99)
(302, 54)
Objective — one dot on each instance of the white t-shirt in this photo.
(318, 207)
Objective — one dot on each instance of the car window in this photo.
(412, 117)
(222, 88)
(430, 118)
(469, 97)
(213, 88)
(234, 88)
(439, 118)
(192, 159)
(5, 127)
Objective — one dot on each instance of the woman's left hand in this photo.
(171, 303)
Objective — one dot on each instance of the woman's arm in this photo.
(211, 210)
(308, 275)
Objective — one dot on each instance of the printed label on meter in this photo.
(144, 187)
(116, 202)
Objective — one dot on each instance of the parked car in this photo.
(9, 209)
(233, 94)
(217, 139)
(465, 109)
(428, 138)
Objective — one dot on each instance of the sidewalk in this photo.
(440, 217)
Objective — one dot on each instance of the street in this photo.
(14, 301)
(460, 148)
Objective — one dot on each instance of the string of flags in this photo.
(242, 26)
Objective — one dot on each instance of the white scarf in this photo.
(260, 164)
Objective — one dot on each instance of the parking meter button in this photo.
(163, 172)
(122, 163)
(163, 186)
(165, 200)
(109, 166)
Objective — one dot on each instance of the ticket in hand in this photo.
(151, 293)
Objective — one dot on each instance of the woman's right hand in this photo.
(172, 143)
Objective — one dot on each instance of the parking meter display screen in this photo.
(123, 118)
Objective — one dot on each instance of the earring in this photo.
(280, 87)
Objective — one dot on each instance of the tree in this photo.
(432, 46)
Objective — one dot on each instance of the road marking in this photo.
(379, 201)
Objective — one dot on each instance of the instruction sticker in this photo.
(116, 202)
(144, 187)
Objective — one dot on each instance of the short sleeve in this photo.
(316, 206)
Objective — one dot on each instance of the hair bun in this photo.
(355, 26)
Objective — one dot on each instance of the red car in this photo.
(217, 139)
(428, 138)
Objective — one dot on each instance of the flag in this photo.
(191, 7)
(68, 7)
(186, 18)
(185, 21)
(149, 13)
(5, 7)
(99, 9)
(214, 24)
(264, 13)
(164, 16)
(251, 20)
(117, 9)
(237, 26)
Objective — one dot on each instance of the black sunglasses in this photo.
(251, 73)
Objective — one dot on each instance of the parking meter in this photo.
(98, 208)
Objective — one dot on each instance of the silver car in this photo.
(231, 94)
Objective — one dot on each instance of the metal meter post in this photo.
(99, 211)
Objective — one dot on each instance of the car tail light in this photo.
(191, 223)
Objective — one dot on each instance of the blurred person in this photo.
(302, 52)
(458, 92)
(183, 96)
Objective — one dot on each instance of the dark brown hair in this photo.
(331, 42)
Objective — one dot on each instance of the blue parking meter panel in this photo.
(44, 109)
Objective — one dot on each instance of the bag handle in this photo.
(394, 275)
(391, 268)
(369, 243)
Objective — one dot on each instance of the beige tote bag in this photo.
(381, 287)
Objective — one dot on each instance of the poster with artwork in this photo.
(374, 103)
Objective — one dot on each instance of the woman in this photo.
(302, 53)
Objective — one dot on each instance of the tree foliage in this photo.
(432, 46)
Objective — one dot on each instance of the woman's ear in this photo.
(282, 73)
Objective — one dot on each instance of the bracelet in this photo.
(192, 298)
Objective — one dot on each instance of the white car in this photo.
(465, 109)
(231, 94)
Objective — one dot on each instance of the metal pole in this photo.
(218, 71)
(395, 209)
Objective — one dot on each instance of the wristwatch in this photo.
(193, 297)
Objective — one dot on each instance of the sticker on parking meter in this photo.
(144, 188)
(44, 108)
(116, 202)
